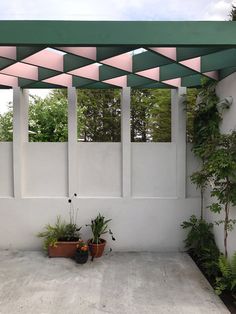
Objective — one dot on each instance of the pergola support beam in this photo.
(72, 141)
(178, 136)
(20, 136)
(126, 141)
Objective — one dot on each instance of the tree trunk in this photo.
(226, 222)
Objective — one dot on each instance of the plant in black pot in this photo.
(99, 227)
(81, 254)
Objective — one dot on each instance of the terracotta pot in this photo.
(63, 249)
(96, 250)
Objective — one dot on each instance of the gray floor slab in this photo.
(124, 283)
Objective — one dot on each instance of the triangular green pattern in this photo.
(106, 72)
(135, 80)
(24, 52)
(46, 73)
(5, 63)
(72, 62)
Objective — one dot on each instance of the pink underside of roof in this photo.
(194, 64)
(123, 62)
(169, 52)
(174, 82)
(61, 79)
(22, 70)
(153, 74)
(120, 81)
(212, 74)
(47, 59)
(7, 80)
(87, 52)
(89, 71)
(8, 52)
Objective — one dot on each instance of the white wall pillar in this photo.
(72, 141)
(178, 135)
(20, 135)
(125, 141)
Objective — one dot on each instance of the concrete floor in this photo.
(124, 283)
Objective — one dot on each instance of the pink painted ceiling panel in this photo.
(120, 81)
(123, 62)
(194, 64)
(61, 79)
(174, 82)
(86, 52)
(47, 59)
(169, 52)
(22, 70)
(213, 74)
(8, 80)
(89, 71)
(8, 52)
(153, 74)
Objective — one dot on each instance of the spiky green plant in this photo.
(99, 226)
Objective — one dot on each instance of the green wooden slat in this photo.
(72, 62)
(80, 81)
(5, 63)
(184, 53)
(136, 80)
(218, 60)
(106, 72)
(100, 85)
(155, 85)
(226, 72)
(44, 85)
(174, 70)
(147, 60)
(24, 52)
(192, 80)
(46, 73)
(22, 82)
(117, 33)
(108, 52)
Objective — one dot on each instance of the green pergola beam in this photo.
(218, 60)
(117, 33)
(148, 60)
(174, 70)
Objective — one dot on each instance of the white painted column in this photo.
(72, 141)
(178, 135)
(20, 136)
(126, 142)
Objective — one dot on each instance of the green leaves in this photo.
(99, 226)
(227, 278)
(60, 231)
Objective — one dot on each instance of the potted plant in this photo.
(62, 238)
(81, 254)
(99, 226)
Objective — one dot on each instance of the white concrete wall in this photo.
(140, 186)
(153, 169)
(149, 220)
(225, 88)
(6, 170)
(44, 170)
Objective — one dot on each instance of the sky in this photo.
(182, 10)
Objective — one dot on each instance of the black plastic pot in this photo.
(81, 257)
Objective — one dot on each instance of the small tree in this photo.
(221, 170)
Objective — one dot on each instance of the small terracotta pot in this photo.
(96, 250)
(63, 249)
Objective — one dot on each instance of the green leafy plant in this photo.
(60, 231)
(201, 244)
(227, 279)
(99, 226)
